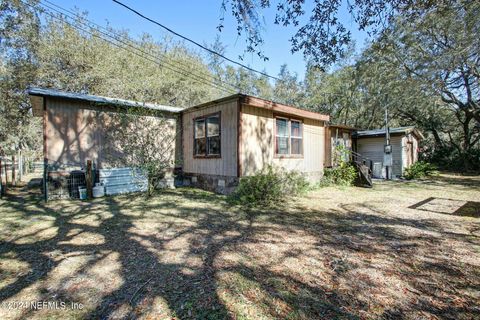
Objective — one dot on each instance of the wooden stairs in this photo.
(364, 168)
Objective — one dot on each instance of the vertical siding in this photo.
(71, 133)
(372, 148)
(410, 154)
(227, 164)
(258, 143)
(75, 132)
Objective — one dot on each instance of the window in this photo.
(282, 136)
(296, 137)
(207, 136)
(288, 137)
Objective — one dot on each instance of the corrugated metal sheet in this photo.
(122, 180)
(376, 132)
(43, 92)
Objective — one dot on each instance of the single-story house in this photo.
(226, 139)
(404, 141)
(218, 142)
(215, 143)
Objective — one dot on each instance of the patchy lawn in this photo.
(400, 250)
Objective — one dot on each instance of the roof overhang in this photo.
(38, 94)
(393, 132)
(282, 108)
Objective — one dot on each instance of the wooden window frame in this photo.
(205, 117)
(289, 130)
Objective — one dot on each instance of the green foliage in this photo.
(420, 169)
(343, 175)
(269, 186)
(144, 140)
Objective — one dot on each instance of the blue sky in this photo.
(198, 20)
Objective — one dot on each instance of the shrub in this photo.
(344, 174)
(269, 186)
(420, 169)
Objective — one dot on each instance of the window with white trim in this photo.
(288, 137)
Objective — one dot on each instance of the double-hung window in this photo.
(288, 137)
(207, 136)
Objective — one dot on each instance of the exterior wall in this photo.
(76, 132)
(372, 148)
(335, 136)
(410, 150)
(257, 144)
(226, 164)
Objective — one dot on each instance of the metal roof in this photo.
(381, 132)
(99, 99)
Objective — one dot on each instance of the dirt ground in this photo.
(406, 250)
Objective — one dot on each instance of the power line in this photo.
(192, 41)
(184, 72)
(188, 74)
(110, 32)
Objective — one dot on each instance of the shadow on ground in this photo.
(187, 254)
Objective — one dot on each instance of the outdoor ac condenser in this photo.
(377, 171)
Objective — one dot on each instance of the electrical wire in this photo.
(166, 65)
(110, 32)
(192, 41)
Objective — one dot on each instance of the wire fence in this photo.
(66, 179)
(14, 169)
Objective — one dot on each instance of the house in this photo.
(404, 141)
(218, 142)
(226, 139)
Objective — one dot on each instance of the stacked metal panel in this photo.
(122, 180)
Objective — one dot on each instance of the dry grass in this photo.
(400, 250)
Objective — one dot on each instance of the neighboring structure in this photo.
(335, 136)
(404, 141)
(239, 135)
(218, 142)
(75, 130)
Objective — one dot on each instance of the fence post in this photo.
(88, 179)
(45, 177)
(1, 180)
(20, 165)
(6, 174)
(14, 180)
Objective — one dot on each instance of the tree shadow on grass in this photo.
(186, 254)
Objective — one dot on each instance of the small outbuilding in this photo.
(76, 130)
(404, 141)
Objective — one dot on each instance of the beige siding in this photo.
(372, 148)
(76, 132)
(410, 150)
(227, 164)
(257, 149)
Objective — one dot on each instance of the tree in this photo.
(287, 89)
(19, 31)
(144, 141)
(320, 35)
(440, 51)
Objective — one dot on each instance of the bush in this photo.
(344, 174)
(420, 169)
(269, 186)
